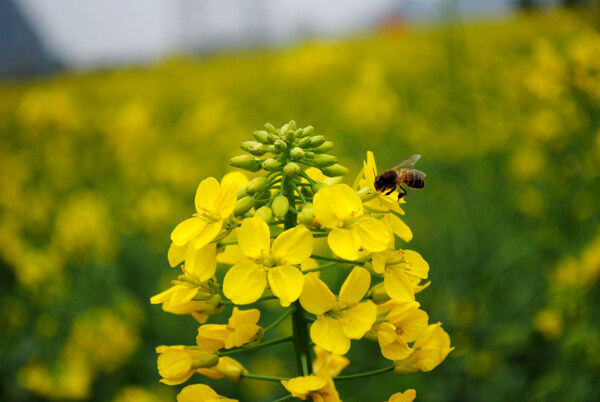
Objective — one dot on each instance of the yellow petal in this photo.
(163, 296)
(200, 393)
(187, 230)
(355, 286)
(237, 179)
(301, 386)
(210, 231)
(225, 200)
(286, 283)
(212, 336)
(407, 396)
(253, 237)
(397, 285)
(329, 334)
(244, 283)
(344, 242)
(412, 321)
(418, 266)
(337, 203)
(393, 346)
(398, 227)
(206, 194)
(183, 294)
(293, 246)
(176, 254)
(316, 297)
(243, 317)
(232, 255)
(201, 264)
(373, 234)
(359, 319)
(241, 336)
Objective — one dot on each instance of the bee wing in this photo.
(408, 163)
(422, 175)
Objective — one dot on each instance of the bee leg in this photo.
(391, 191)
(401, 192)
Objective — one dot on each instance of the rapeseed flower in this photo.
(274, 264)
(340, 209)
(241, 329)
(214, 203)
(428, 351)
(405, 325)
(201, 393)
(407, 396)
(319, 387)
(176, 364)
(402, 271)
(226, 368)
(341, 319)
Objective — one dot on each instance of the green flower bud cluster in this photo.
(284, 153)
(288, 148)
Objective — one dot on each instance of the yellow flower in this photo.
(339, 320)
(407, 396)
(317, 175)
(378, 201)
(240, 330)
(199, 268)
(176, 363)
(200, 393)
(340, 209)
(214, 202)
(200, 263)
(405, 324)
(200, 310)
(319, 387)
(332, 364)
(428, 351)
(246, 281)
(402, 271)
(226, 368)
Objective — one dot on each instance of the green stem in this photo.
(285, 398)
(299, 192)
(258, 346)
(280, 319)
(262, 377)
(321, 268)
(340, 260)
(307, 177)
(264, 298)
(299, 325)
(362, 375)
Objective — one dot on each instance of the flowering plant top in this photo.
(265, 230)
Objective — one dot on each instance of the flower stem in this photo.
(362, 375)
(299, 324)
(262, 377)
(319, 257)
(280, 319)
(320, 268)
(258, 346)
(285, 398)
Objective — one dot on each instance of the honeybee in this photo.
(402, 173)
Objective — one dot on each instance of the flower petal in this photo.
(397, 285)
(344, 242)
(286, 283)
(398, 227)
(176, 254)
(316, 297)
(201, 264)
(197, 393)
(243, 317)
(359, 319)
(336, 203)
(237, 179)
(212, 337)
(208, 234)
(187, 230)
(355, 286)
(253, 237)
(418, 266)
(293, 246)
(244, 283)
(206, 193)
(241, 336)
(373, 234)
(183, 294)
(225, 200)
(329, 334)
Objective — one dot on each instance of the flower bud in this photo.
(271, 128)
(265, 213)
(284, 129)
(296, 153)
(324, 160)
(257, 185)
(304, 142)
(246, 162)
(292, 125)
(244, 205)
(306, 216)
(308, 130)
(246, 145)
(271, 164)
(258, 150)
(317, 186)
(378, 294)
(299, 133)
(261, 136)
(334, 171)
(280, 145)
(309, 154)
(272, 138)
(241, 193)
(316, 141)
(290, 136)
(280, 206)
(291, 169)
(226, 368)
(324, 147)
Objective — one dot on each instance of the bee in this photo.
(402, 173)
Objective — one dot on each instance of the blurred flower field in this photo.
(97, 168)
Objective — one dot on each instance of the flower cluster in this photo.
(265, 230)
